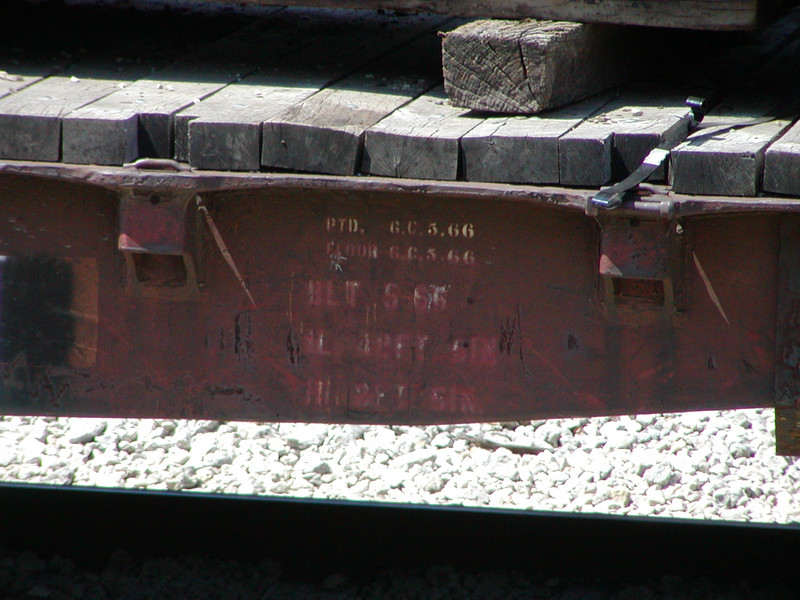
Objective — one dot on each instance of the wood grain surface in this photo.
(520, 149)
(224, 132)
(419, 140)
(782, 164)
(612, 143)
(31, 119)
(137, 120)
(524, 67)
(728, 163)
(325, 132)
(361, 93)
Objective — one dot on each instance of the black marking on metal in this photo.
(36, 321)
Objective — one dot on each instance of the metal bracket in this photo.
(642, 269)
(159, 239)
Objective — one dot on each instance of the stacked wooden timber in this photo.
(272, 94)
(684, 14)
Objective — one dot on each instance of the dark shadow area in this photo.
(310, 537)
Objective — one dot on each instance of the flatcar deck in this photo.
(358, 93)
(309, 236)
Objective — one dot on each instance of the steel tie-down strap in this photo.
(612, 196)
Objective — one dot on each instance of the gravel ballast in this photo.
(705, 465)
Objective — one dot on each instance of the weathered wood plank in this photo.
(529, 66)
(687, 14)
(39, 41)
(224, 132)
(270, 42)
(419, 140)
(782, 164)
(16, 78)
(522, 149)
(642, 126)
(612, 143)
(520, 67)
(119, 47)
(30, 120)
(138, 120)
(325, 132)
(729, 163)
(733, 163)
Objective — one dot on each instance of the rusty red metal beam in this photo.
(377, 300)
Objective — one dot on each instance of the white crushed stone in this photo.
(705, 465)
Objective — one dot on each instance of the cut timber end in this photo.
(529, 66)
(30, 120)
(782, 164)
(325, 132)
(728, 162)
(611, 144)
(520, 149)
(419, 140)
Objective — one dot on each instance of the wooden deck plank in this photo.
(611, 144)
(781, 161)
(730, 163)
(224, 132)
(41, 40)
(108, 48)
(15, 78)
(524, 67)
(346, 115)
(640, 127)
(31, 118)
(137, 121)
(521, 149)
(271, 43)
(733, 163)
(689, 14)
(782, 164)
(419, 140)
(325, 132)
(228, 135)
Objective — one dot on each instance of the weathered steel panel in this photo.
(787, 368)
(371, 306)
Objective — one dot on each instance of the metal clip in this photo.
(612, 196)
(157, 164)
(698, 108)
